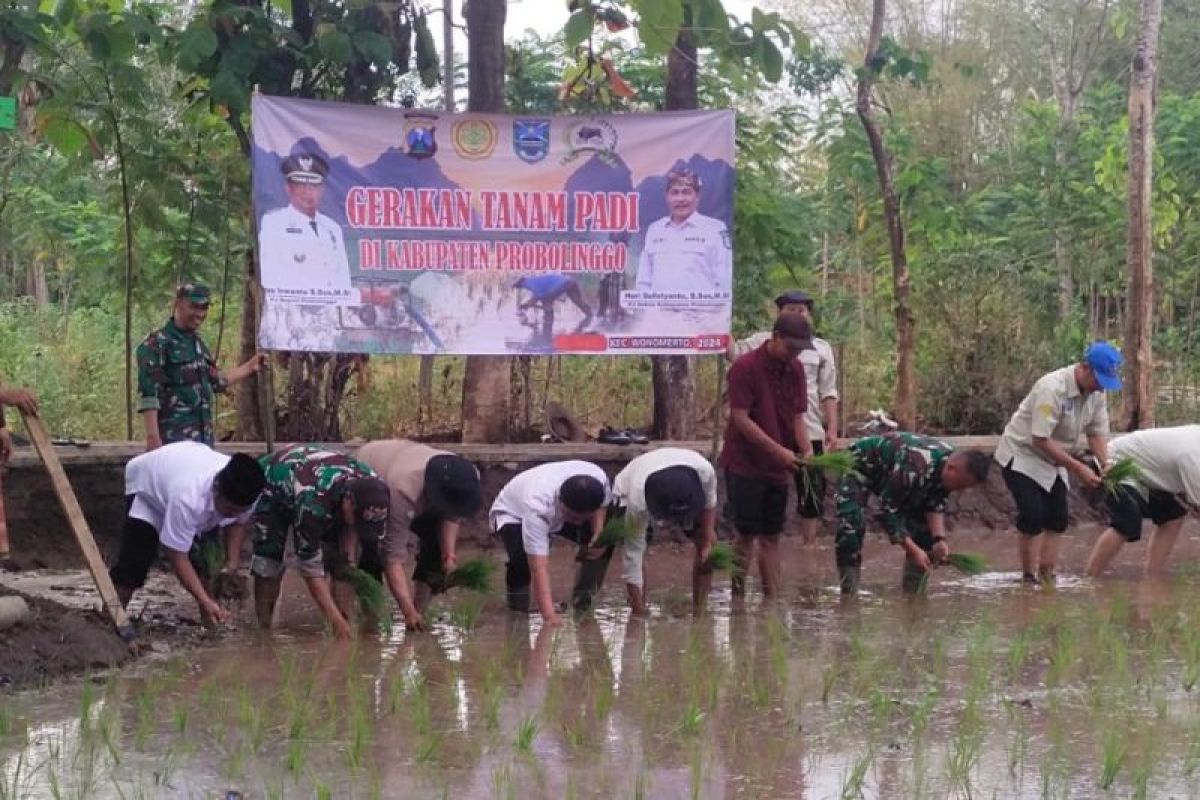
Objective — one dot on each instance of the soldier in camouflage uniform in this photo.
(912, 476)
(328, 502)
(177, 374)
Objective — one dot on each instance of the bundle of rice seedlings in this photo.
(721, 558)
(1123, 470)
(210, 556)
(967, 563)
(474, 574)
(372, 598)
(836, 462)
(616, 530)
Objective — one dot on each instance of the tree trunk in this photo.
(904, 405)
(1138, 397)
(673, 378)
(487, 383)
(251, 391)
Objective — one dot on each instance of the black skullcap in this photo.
(674, 494)
(582, 494)
(452, 486)
(241, 480)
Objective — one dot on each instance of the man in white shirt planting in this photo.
(173, 494)
(670, 486)
(1167, 484)
(564, 498)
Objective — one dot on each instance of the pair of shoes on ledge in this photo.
(609, 435)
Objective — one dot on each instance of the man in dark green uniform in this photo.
(912, 476)
(327, 502)
(177, 375)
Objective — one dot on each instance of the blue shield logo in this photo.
(531, 139)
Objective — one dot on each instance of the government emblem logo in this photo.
(419, 130)
(531, 139)
(474, 139)
(596, 137)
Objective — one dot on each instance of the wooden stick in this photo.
(79, 526)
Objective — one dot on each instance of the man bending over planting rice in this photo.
(668, 486)
(172, 495)
(912, 476)
(432, 491)
(324, 503)
(564, 498)
(1166, 476)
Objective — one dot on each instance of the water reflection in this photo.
(983, 688)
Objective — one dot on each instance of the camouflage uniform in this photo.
(177, 376)
(304, 491)
(905, 471)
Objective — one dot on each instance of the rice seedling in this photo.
(210, 556)
(467, 612)
(968, 563)
(1123, 471)
(1112, 758)
(835, 463)
(696, 772)
(372, 598)
(854, 780)
(179, 718)
(527, 730)
(641, 784)
(427, 748)
(721, 558)
(474, 574)
(691, 721)
(616, 530)
(324, 792)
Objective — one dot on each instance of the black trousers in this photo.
(589, 577)
(139, 549)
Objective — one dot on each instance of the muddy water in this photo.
(982, 689)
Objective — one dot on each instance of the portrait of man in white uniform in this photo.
(685, 251)
(300, 249)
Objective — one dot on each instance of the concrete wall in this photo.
(40, 536)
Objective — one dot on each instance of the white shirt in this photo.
(694, 255)
(820, 377)
(299, 252)
(1169, 459)
(1057, 409)
(629, 491)
(531, 501)
(172, 489)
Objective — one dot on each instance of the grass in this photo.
(475, 574)
(372, 597)
(1116, 747)
(968, 563)
(210, 555)
(527, 730)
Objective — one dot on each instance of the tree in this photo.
(904, 406)
(487, 384)
(1139, 247)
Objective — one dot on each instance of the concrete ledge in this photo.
(118, 452)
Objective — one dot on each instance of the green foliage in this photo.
(1123, 472)
(372, 597)
(616, 530)
(474, 574)
(721, 558)
(968, 563)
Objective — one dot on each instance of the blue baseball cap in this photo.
(1105, 361)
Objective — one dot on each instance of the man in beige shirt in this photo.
(433, 491)
(1036, 449)
(1168, 461)
(821, 417)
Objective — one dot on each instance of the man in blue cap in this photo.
(1037, 450)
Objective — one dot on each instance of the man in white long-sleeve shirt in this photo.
(1169, 463)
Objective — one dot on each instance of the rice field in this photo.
(981, 689)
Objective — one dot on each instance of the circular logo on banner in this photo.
(474, 139)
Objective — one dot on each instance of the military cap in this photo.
(305, 168)
(194, 293)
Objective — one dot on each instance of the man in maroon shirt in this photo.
(767, 401)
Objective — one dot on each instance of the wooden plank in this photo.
(79, 526)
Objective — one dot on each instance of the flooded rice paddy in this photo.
(982, 689)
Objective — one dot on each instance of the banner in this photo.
(390, 230)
